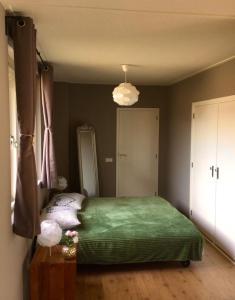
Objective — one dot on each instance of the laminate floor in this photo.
(211, 279)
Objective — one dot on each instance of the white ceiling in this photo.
(165, 41)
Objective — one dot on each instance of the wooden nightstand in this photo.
(52, 277)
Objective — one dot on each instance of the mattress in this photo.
(134, 230)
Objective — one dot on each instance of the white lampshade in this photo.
(50, 235)
(125, 94)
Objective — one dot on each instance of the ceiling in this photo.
(163, 41)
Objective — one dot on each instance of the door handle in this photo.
(217, 172)
(122, 155)
(212, 168)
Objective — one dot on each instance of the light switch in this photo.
(108, 159)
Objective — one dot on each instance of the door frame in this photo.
(119, 109)
(195, 104)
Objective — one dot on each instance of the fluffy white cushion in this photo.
(73, 200)
(66, 217)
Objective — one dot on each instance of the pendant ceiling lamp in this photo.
(125, 94)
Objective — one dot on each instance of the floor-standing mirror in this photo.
(87, 160)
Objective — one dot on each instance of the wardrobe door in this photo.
(203, 181)
(225, 194)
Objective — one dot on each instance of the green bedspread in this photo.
(130, 230)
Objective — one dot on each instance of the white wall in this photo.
(13, 249)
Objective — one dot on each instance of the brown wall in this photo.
(213, 83)
(92, 104)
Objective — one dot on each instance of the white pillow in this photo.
(66, 217)
(73, 200)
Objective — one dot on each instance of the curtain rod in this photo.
(20, 18)
(42, 61)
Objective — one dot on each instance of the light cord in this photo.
(125, 76)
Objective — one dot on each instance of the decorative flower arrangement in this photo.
(69, 238)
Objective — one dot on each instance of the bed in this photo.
(133, 230)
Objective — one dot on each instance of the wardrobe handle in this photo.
(212, 168)
(217, 172)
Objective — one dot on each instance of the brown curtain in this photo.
(26, 212)
(49, 172)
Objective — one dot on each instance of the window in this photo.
(14, 128)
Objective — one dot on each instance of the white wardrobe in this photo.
(212, 192)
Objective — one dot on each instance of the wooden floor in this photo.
(213, 278)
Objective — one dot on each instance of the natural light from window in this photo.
(14, 130)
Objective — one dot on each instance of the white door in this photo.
(203, 180)
(225, 195)
(137, 151)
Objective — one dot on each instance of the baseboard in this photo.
(219, 249)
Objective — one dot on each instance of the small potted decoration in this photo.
(69, 241)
